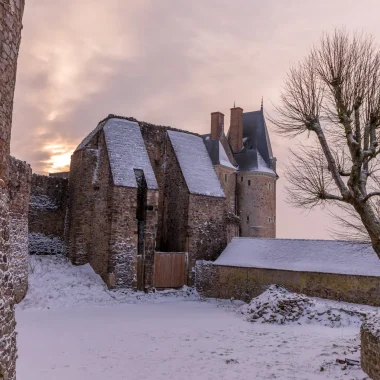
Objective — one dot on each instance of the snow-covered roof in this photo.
(325, 256)
(223, 158)
(195, 164)
(127, 151)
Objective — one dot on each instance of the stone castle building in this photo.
(142, 203)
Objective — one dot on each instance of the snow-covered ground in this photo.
(71, 327)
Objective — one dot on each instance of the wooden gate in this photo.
(170, 269)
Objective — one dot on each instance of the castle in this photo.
(142, 203)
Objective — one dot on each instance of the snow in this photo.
(127, 151)
(71, 327)
(324, 256)
(45, 245)
(262, 165)
(223, 158)
(42, 201)
(279, 306)
(195, 164)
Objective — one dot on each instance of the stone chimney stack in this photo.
(236, 129)
(217, 125)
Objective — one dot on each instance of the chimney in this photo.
(217, 125)
(236, 129)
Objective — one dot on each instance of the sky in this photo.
(168, 62)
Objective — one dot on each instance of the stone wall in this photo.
(20, 176)
(256, 204)
(246, 283)
(370, 347)
(47, 213)
(11, 12)
(206, 230)
(227, 178)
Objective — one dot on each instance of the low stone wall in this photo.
(370, 347)
(245, 283)
(20, 175)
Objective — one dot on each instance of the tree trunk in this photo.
(11, 12)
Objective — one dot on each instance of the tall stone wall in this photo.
(227, 178)
(206, 230)
(11, 12)
(256, 194)
(173, 196)
(20, 176)
(47, 213)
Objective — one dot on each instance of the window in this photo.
(225, 178)
(249, 182)
(241, 179)
(269, 186)
(269, 220)
(247, 218)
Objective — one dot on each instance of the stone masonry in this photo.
(47, 213)
(20, 175)
(370, 347)
(11, 12)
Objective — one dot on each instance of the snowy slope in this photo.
(325, 256)
(195, 164)
(127, 151)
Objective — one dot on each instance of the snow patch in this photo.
(223, 158)
(40, 244)
(42, 201)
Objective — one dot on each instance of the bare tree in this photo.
(334, 97)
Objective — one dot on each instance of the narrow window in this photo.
(247, 218)
(249, 182)
(241, 179)
(269, 186)
(269, 220)
(225, 178)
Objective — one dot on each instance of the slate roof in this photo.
(325, 256)
(126, 151)
(257, 151)
(195, 164)
(217, 152)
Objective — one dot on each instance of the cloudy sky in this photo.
(169, 62)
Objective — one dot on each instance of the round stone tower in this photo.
(256, 204)
(256, 175)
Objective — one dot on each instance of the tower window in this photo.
(241, 179)
(269, 186)
(249, 182)
(269, 220)
(225, 178)
(247, 218)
